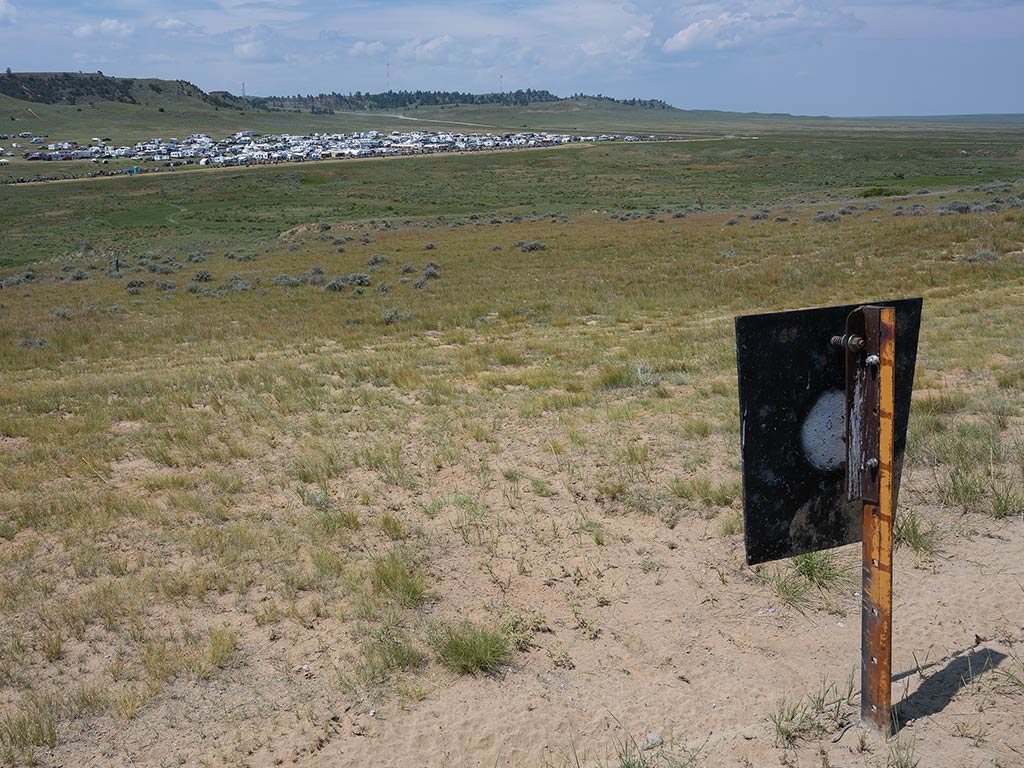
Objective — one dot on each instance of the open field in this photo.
(224, 207)
(478, 503)
(171, 108)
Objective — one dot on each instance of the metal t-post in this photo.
(870, 344)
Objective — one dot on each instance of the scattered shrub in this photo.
(826, 217)
(953, 207)
(32, 343)
(28, 276)
(532, 245)
(203, 276)
(238, 285)
(395, 315)
(981, 255)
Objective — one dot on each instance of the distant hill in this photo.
(325, 103)
(73, 88)
(77, 106)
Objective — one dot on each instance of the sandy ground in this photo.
(696, 653)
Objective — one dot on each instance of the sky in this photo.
(810, 57)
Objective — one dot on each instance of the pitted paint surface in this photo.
(792, 384)
(823, 431)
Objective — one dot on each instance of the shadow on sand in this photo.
(940, 687)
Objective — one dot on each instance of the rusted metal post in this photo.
(870, 395)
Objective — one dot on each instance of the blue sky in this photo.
(865, 57)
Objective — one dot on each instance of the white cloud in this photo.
(719, 25)
(259, 44)
(106, 28)
(431, 50)
(8, 13)
(700, 34)
(170, 25)
(251, 50)
(366, 48)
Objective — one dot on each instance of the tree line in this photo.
(326, 103)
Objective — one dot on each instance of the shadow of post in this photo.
(940, 687)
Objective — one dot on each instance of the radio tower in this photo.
(389, 76)
(243, 90)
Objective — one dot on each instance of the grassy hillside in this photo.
(486, 510)
(88, 88)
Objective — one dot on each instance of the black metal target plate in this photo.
(792, 414)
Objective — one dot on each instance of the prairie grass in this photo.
(704, 489)
(187, 482)
(469, 649)
(397, 577)
(912, 531)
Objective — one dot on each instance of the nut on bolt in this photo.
(851, 342)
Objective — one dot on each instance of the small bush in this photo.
(32, 343)
(532, 245)
(429, 247)
(826, 217)
(395, 315)
(980, 256)
(286, 281)
(953, 207)
(203, 276)
(340, 283)
(469, 649)
(165, 286)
